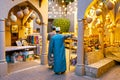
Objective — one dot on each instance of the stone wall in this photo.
(92, 57)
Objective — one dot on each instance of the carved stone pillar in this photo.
(80, 67)
(44, 45)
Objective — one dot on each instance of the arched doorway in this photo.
(100, 26)
(26, 23)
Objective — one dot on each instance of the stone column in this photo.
(44, 45)
(80, 67)
(3, 63)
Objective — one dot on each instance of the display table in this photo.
(13, 48)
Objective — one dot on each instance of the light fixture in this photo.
(62, 1)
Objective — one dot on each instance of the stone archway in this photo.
(21, 22)
(4, 14)
(84, 8)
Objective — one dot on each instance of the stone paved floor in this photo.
(42, 72)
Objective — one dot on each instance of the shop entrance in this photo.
(26, 42)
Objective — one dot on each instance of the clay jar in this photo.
(13, 17)
(98, 12)
(32, 16)
(110, 5)
(89, 19)
(38, 21)
(26, 11)
(20, 14)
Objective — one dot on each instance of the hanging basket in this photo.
(32, 16)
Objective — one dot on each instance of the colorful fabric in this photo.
(57, 48)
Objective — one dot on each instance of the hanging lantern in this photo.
(32, 16)
(20, 14)
(26, 11)
(98, 12)
(13, 17)
(89, 19)
(38, 21)
(110, 5)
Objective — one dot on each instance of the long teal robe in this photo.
(57, 48)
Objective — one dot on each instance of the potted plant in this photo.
(63, 23)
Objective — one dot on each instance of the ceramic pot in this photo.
(20, 14)
(38, 21)
(13, 17)
(110, 5)
(26, 11)
(89, 19)
(32, 16)
(98, 12)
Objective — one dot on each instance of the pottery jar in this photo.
(26, 11)
(13, 17)
(20, 14)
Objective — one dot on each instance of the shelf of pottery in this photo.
(91, 43)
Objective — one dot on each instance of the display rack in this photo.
(71, 45)
(23, 51)
(19, 53)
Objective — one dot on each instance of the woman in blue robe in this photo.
(57, 48)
